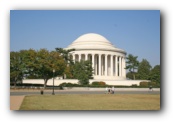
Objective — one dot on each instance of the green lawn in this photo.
(92, 102)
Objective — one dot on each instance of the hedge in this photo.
(99, 83)
(147, 84)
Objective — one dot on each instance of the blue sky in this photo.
(136, 32)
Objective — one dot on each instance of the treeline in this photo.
(142, 70)
(35, 64)
(44, 64)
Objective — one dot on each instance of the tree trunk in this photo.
(45, 83)
(134, 76)
(15, 84)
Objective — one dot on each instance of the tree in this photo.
(68, 60)
(22, 64)
(155, 74)
(69, 72)
(15, 67)
(144, 70)
(129, 75)
(83, 71)
(66, 55)
(35, 64)
(29, 65)
(46, 62)
(132, 64)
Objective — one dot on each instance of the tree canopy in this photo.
(68, 60)
(15, 67)
(66, 54)
(47, 62)
(83, 71)
(155, 74)
(144, 70)
(35, 64)
(132, 64)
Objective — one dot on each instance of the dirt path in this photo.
(15, 102)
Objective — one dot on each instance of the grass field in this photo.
(92, 102)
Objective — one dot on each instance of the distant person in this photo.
(151, 88)
(113, 90)
(106, 90)
(109, 90)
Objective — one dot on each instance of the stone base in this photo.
(109, 78)
(109, 82)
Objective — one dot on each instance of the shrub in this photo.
(144, 84)
(102, 83)
(94, 83)
(70, 85)
(154, 84)
(63, 84)
(60, 87)
(134, 85)
(99, 83)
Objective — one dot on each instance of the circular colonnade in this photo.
(108, 61)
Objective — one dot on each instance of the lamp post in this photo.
(53, 82)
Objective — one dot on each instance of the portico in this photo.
(104, 64)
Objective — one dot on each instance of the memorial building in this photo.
(108, 61)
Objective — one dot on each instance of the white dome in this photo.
(92, 41)
(90, 37)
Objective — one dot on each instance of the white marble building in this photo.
(108, 61)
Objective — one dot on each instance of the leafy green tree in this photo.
(46, 62)
(35, 64)
(155, 74)
(28, 63)
(129, 75)
(68, 60)
(21, 64)
(132, 64)
(66, 54)
(83, 71)
(69, 72)
(15, 67)
(144, 70)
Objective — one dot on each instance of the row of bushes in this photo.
(148, 84)
(26, 85)
(103, 84)
(100, 84)
(78, 85)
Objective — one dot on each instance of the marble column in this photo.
(120, 66)
(111, 66)
(102, 65)
(93, 61)
(86, 57)
(99, 64)
(95, 64)
(106, 65)
(74, 58)
(116, 66)
(79, 57)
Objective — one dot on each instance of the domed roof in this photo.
(92, 41)
(90, 37)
